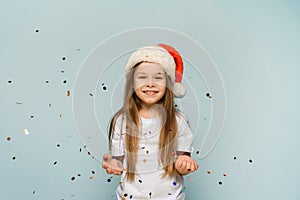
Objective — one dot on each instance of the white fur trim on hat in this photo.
(159, 55)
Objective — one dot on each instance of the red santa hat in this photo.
(167, 57)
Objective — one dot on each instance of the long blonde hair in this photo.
(168, 134)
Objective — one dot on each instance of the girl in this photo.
(148, 135)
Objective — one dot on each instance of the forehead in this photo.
(149, 68)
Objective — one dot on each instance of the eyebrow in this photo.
(159, 73)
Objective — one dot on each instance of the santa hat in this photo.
(167, 57)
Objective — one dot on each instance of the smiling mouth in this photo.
(150, 92)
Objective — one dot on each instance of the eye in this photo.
(142, 77)
(159, 77)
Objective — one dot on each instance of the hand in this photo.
(111, 165)
(185, 164)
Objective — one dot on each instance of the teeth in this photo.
(150, 92)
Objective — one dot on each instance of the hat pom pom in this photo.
(179, 90)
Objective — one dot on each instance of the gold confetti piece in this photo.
(144, 160)
(225, 175)
(68, 93)
(91, 177)
(26, 132)
(208, 172)
(8, 138)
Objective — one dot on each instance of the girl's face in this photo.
(149, 83)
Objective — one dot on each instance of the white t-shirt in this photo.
(148, 182)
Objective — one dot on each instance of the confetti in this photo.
(26, 132)
(234, 158)
(250, 161)
(14, 158)
(144, 160)
(220, 183)
(64, 81)
(103, 86)
(208, 172)
(174, 183)
(109, 180)
(140, 181)
(9, 81)
(68, 93)
(224, 174)
(8, 138)
(37, 30)
(47, 81)
(208, 95)
(55, 163)
(63, 58)
(190, 179)
(91, 177)
(93, 172)
(58, 145)
(73, 178)
(197, 152)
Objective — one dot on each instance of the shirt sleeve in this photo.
(185, 135)
(117, 140)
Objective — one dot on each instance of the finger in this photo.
(193, 167)
(178, 163)
(188, 166)
(108, 170)
(183, 166)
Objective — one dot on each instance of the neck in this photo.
(151, 111)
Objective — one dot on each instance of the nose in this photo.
(150, 82)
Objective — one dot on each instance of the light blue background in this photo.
(255, 45)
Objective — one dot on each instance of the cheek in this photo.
(138, 84)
